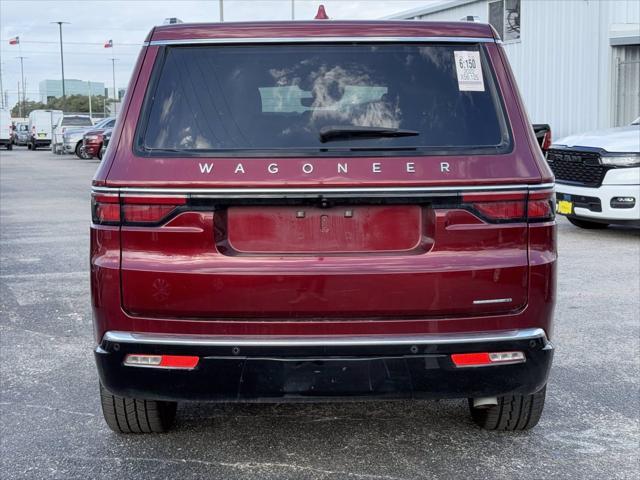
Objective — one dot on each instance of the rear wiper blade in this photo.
(328, 134)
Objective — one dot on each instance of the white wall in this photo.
(563, 60)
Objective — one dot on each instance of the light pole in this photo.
(64, 95)
(19, 102)
(293, 9)
(90, 112)
(221, 5)
(115, 93)
(23, 87)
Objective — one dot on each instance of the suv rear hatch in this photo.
(314, 181)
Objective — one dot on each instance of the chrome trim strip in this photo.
(317, 341)
(316, 39)
(492, 300)
(311, 191)
(178, 368)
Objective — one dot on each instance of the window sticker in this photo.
(469, 71)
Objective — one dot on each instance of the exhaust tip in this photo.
(485, 402)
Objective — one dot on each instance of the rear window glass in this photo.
(208, 100)
(76, 122)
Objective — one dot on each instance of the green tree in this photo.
(28, 107)
(73, 103)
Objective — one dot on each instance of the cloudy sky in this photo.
(92, 23)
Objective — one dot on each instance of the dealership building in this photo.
(577, 63)
(53, 88)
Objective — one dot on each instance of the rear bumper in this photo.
(261, 368)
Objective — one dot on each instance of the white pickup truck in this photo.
(598, 176)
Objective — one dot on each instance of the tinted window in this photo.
(76, 122)
(279, 97)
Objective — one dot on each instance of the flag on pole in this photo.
(109, 44)
(14, 41)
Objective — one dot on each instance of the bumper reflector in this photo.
(482, 359)
(162, 361)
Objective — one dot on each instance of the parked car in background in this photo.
(72, 138)
(366, 214)
(65, 123)
(598, 176)
(543, 135)
(106, 136)
(92, 142)
(6, 129)
(22, 133)
(41, 124)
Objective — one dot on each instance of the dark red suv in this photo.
(93, 141)
(323, 210)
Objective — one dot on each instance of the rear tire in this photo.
(513, 412)
(133, 415)
(10, 146)
(578, 222)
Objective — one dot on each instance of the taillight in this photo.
(105, 208)
(181, 362)
(513, 210)
(541, 206)
(111, 209)
(497, 207)
(145, 213)
(501, 207)
(483, 359)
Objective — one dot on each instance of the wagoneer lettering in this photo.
(206, 167)
(307, 168)
(319, 210)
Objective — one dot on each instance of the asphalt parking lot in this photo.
(52, 427)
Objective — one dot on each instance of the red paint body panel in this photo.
(229, 271)
(442, 281)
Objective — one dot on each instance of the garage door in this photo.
(626, 84)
